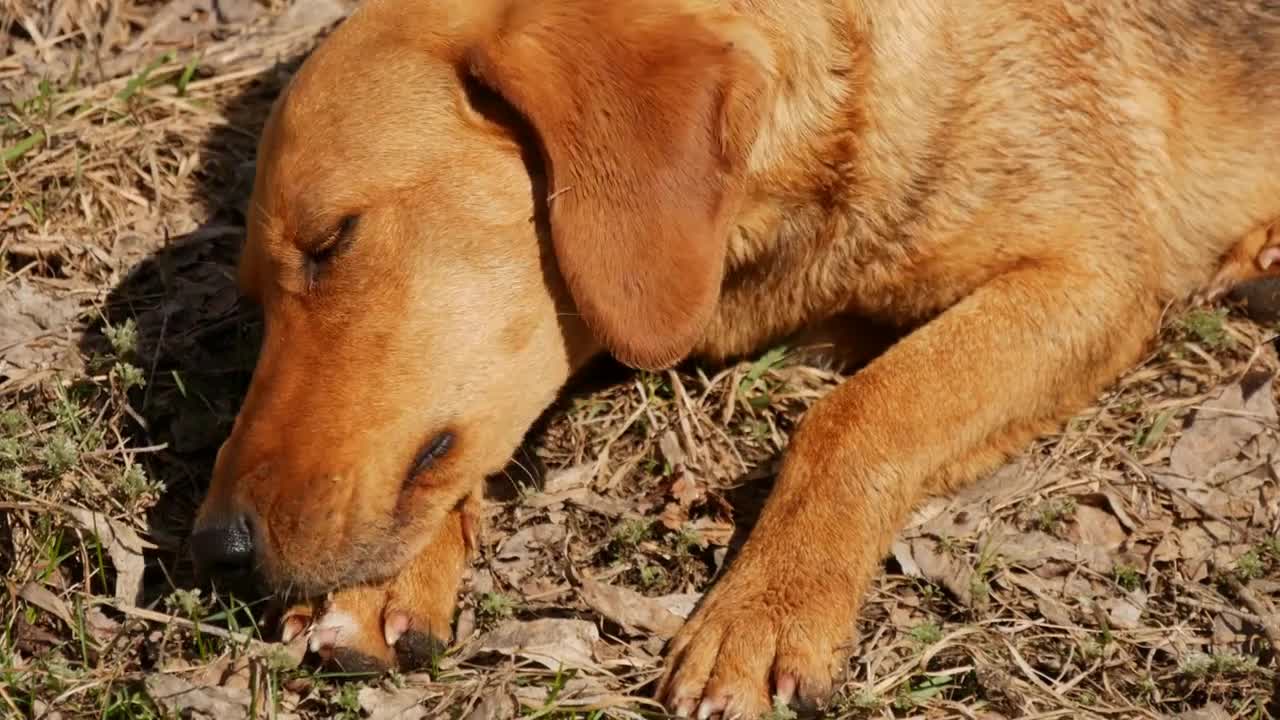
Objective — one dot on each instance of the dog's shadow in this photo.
(196, 340)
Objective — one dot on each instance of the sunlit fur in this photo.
(1021, 185)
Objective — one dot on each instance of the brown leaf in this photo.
(567, 479)
(39, 595)
(551, 642)
(1045, 554)
(576, 693)
(602, 505)
(922, 557)
(1094, 526)
(687, 490)
(28, 311)
(314, 14)
(711, 531)
(1220, 428)
(101, 627)
(673, 516)
(494, 706)
(1211, 711)
(1054, 611)
(124, 547)
(1125, 612)
(661, 616)
(517, 556)
(226, 671)
(672, 452)
(181, 697)
(400, 704)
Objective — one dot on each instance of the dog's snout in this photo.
(225, 547)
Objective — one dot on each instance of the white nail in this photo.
(292, 627)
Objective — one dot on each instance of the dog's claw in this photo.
(293, 625)
(785, 688)
(396, 626)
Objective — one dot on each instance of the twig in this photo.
(159, 617)
(1265, 616)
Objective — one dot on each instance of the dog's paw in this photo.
(403, 623)
(742, 652)
(373, 629)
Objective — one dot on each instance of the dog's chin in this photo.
(299, 583)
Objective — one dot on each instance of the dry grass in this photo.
(1126, 568)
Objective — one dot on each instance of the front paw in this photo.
(403, 623)
(373, 629)
(743, 650)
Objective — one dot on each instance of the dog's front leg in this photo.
(934, 411)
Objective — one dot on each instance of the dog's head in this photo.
(457, 202)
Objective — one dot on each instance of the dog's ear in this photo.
(646, 112)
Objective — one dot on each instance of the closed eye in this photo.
(435, 449)
(336, 241)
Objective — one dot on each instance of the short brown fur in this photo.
(1018, 186)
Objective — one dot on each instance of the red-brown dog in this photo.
(460, 202)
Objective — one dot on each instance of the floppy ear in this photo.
(646, 112)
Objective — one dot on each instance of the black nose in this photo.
(224, 548)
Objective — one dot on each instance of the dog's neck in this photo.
(830, 179)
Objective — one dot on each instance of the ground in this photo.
(1127, 567)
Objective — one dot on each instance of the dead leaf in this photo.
(400, 704)
(661, 616)
(226, 671)
(672, 452)
(494, 706)
(580, 692)
(570, 478)
(517, 556)
(1125, 613)
(180, 697)
(1228, 633)
(101, 627)
(673, 516)
(921, 557)
(314, 14)
(1054, 611)
(1220, 428)
(237, 11)
(687, 490)
(711, 531)
(1096, 527)
(27, 312)
(124, 547)
(554, 643)
(1043, 553)
(1211, 711)
(466, 624)
(41, 597)
(601, 505)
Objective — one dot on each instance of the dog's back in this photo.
(1203, 117)
(1155, 118)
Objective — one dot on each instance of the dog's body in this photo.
(1018, 186)
(963, 136)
